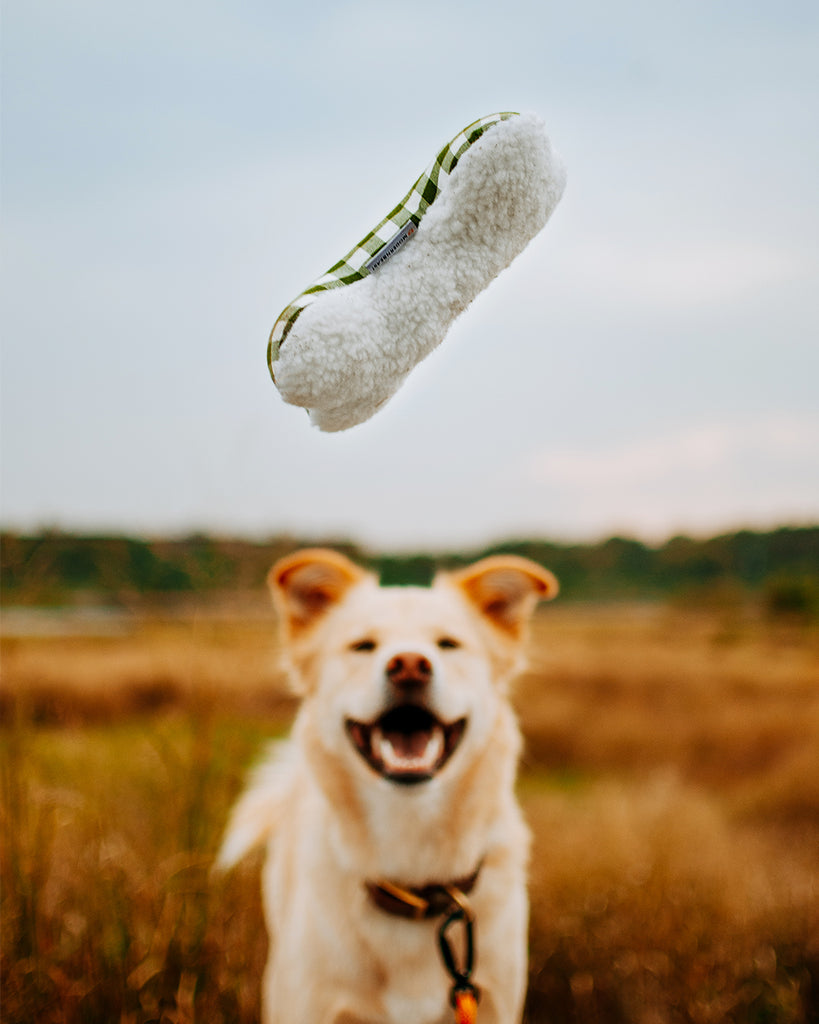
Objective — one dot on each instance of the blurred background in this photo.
(173, 177)
(632, 404)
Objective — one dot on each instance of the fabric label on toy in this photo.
(392, 247)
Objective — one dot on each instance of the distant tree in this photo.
(790, 598)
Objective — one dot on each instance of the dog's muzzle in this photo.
(407, 744)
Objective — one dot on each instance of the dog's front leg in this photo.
(312, 1006)
(299, 990)
(502, 966)
(346, 1017)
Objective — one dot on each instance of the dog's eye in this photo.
(363, 645)
(446, 643)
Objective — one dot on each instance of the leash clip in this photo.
(464, 995)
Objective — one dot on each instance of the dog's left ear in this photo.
(505, 589)
(308, 583)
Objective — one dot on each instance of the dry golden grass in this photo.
(671, 776)
(140, 665)
(630, 688)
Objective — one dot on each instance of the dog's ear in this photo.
(306, 584)
(505, 589)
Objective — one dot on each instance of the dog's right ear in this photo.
(308, 583)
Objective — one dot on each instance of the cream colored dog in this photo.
(397, 783)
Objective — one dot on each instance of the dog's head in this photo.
(404, 681)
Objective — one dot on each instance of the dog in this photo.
(389, 815)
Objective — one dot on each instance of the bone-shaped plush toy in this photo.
(343, 347)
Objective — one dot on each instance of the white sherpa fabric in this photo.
(351, 348)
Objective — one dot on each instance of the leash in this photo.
(464, 994)
(450, 903)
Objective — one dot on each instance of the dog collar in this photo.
(420, 903)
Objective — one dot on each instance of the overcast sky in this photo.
(175, 173)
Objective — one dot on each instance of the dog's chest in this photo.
(416, 986)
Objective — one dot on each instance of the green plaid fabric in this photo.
(354, 266)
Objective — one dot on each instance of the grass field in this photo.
(671, 777)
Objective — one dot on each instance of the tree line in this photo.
(54, 567)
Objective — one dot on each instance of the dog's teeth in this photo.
(399, 761)
(435, 747)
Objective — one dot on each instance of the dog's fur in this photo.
(338, 805)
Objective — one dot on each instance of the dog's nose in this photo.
(409, 671)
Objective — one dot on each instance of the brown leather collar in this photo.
(419, 903)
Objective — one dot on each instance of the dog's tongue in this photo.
(416, 751)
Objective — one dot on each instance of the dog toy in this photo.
(343, 347)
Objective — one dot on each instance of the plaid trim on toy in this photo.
(389, 235)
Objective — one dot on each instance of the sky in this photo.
(174, 174)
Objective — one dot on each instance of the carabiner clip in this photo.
(464, 995)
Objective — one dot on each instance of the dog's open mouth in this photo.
(406, 744)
